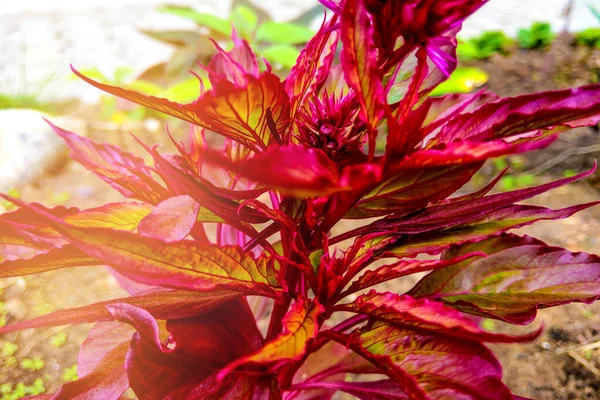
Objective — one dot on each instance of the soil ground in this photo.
(554, 367)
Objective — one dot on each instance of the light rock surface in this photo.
(28, 147)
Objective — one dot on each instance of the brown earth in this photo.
(554, 367)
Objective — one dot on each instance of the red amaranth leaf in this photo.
(120, 216)
(23, 235)
(293, 170)
(385, 389)
(308, 75)
(171, 220)
(183, 182)
(494, 223)
(429, 365)
(66, 256)
(183, 265)
(181, 111)
(360, 58)
(519, 275)
(425, 315)
(465, 152)
(462, 211)
(161, 304)
(300, 326)
(101, 364)
(123, 171)
(241, 112)
(409, 190)
(186, 370)
(399, 269)
(550, 112)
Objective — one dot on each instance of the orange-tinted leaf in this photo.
(182, 265)
(56, 258)
(165, 106)
(120, 216)
(240, 112)
(300, 324)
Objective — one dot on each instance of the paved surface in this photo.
(39, 38)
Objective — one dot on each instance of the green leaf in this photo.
(462, 80)
(594, 11)
(537, 36)
(282, 54)
(244, 20)
(215, 24)
(283, 33)
(183, 92)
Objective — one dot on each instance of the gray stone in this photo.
(28, 148)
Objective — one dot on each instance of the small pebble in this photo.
(546, 345)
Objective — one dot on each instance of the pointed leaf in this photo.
(182, 265)
(547, 111)
(120, 216)
(466, 151)
(519, 275)
(294, 170)
(372, 390)
(463, 211)
(181, 111)
(172, 220)
(164, 304)
(412, 189)
(101, 364)
(492, 224)
(425, 316)
(56, 258)
(300, 324)
(360, 60)
(123, 171)
(401, 268)
(241, 112)
(312, 67)
(431, 366)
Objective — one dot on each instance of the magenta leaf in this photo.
(100, 366)
(430, 365)
(172, 220)
(424, 315)
(519, 275)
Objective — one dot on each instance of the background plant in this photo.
(538, 35)
(242, 284)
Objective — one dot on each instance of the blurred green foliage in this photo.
(484, 46)
(538, 35)
(462, 80)
(588, 37)
(278, 42)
